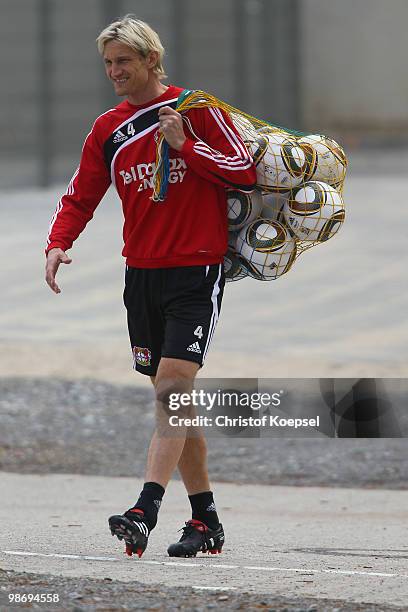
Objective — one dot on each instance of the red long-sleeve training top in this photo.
(190, 226)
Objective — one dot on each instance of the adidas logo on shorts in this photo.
(195, 348)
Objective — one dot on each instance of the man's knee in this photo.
(174, 381)
(172, 396)
(174, 376)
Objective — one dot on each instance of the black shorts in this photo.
(172, 312)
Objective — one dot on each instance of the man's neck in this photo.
(150, 92)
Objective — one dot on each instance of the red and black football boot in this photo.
(197, 537)
(131, 527)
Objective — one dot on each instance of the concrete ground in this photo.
(322, 543)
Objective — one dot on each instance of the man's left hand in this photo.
(171, 126)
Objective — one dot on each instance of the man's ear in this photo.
(152, 59)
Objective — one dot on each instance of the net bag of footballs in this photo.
(298, 201)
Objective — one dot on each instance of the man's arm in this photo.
(86, 189)
(219, 155)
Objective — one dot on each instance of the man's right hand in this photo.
(54, 258)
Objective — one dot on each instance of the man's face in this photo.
(127, 69)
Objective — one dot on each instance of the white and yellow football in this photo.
(314, 211)
(242, 208)
(233, 267)
(331, 162)
(273, 205)
(281, 164)
(244, 126)
(267, 248)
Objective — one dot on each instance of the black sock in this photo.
(149, 501)
(203, 507)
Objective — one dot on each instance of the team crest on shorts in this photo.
(142, 356)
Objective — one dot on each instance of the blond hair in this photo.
(137, 35)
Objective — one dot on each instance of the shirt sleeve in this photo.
(85, 190)
(218, 154)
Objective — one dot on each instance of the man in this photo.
(174, 254)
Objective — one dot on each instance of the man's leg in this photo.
(192, 463)
(166, 447)
(188, 450)
(192, 466)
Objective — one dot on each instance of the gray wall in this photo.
(354, 65)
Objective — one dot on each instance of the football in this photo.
(233, 267)
(242, 208)
(273, 204)
(267, 249)
(245, 128)
(331, 162)
(281, 164)
(314, 211)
